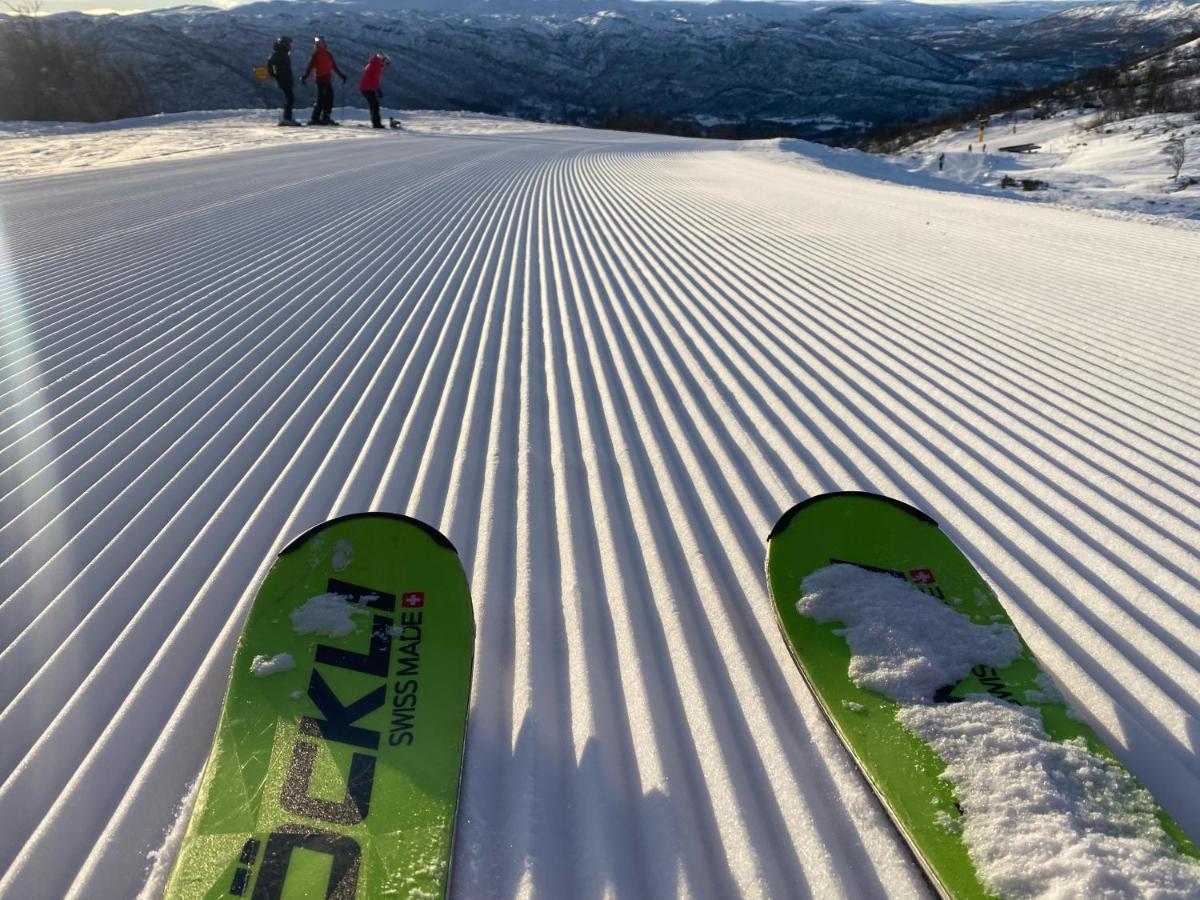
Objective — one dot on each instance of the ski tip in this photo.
(437, 536)
(786, 518)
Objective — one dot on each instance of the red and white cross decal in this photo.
(921, 576)
(413, 600)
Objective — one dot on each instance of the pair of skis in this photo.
(337, 760)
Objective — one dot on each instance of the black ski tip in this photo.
(787, 517)
(437, 536)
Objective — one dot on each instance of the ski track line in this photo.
(726, 581)
(165, 211)
(76, 719)
(290, 213)
(750, 569)
(108, 261)
(998, 328)
(935, 406)
(1080, 243)
(233, 351)
(1126, 510)
(648, 481)
(313, 238)
(750, 572)
(697, 507)
(624, 843)
(680, 777)
(602, 364)
(949, 375)
(74, 823)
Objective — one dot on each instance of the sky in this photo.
(131, 6)
(120, 6)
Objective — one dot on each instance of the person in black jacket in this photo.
(279, 67)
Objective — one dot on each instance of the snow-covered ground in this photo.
(1119, 166)
(602, 364)
(43, 148)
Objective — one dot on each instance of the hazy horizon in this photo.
(129, 7)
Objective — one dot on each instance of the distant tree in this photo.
(1176, 152)
(49, 72)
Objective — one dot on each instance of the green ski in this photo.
(335, 769)
(895, 716)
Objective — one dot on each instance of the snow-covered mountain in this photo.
(1125, 138)
(818, 69)
(1078, 38)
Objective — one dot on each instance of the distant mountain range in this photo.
(1159, 92)
(819, 70)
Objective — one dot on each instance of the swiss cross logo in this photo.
(412, 601)
(921, 576)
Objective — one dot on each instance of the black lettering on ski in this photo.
(343, 871)
(994, 684)
(241, 875)
(249, 852)
(373, 662)
(350, 811)
(338, 722)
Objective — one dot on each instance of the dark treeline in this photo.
(1140, 85)
(648, 123)
(1143, 85)
(46, 74)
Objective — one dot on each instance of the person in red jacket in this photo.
(369, 84)
(323, 67)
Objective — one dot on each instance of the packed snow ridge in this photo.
(1041, 818)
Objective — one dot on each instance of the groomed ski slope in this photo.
(602, 364)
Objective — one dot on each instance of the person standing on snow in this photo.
(323, 67)
(279, 67)
(369, 84)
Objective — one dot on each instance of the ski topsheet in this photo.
(335, 769)
(996, 785)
